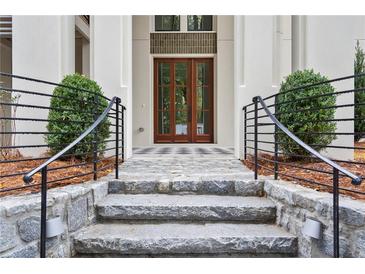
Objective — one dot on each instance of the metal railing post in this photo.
(123, 134)
(255, 137)
(276, 164)
(43, 212)
(245, 133)
(117, 138)
(336, 224)
(95, 140)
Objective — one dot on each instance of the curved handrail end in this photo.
(357, 181)
(27, 179)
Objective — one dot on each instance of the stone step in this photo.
(241, 184)
(186, 208)
(172, 238)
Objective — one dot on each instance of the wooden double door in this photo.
(183, 100)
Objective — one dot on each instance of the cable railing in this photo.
(335, 164)
(24, 153)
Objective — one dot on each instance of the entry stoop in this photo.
(184, 225)
(185, 207)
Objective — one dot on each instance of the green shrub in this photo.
(82, 105)
(359, 67)
(299, 121)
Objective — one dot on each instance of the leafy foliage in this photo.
(72, 113)
(359, 67)
(301, 115)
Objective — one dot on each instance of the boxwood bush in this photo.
(298, 121)
(82, 105)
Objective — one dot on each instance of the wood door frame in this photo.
(191, 137)
(203, 138)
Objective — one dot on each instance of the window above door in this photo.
(183, 23)
(167, 23)
(200, 22)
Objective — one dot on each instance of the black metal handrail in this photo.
(270, 117)
(104, 109)
(43, 168)
(356, 180)
(28, 177)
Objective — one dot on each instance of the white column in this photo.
(111, 66)
(298, 27)
(224, 98)
(253, 66)
(142, 81)
(43, 47)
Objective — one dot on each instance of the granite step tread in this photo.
(186, 208)
(174, 238)
(214, 184)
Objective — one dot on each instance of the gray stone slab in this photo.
(7, 235)
(133, 186)
(185, 239)
(14, 205)
(217, 187)
(28, 251)
(186, 184)
(77, 213)
(186, 207)
(249, 187)
(29, 228)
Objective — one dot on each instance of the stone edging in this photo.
(295, 203)
(20, 218)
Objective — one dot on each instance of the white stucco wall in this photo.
(43, 47)
(265, 53)
(254, 54)
(329, 48)
(143, 80)
(261, 59)
(111, 63)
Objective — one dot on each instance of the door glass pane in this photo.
(181, 100)
(202, 98)
(167, 23)
(202, 74)
(163, 122)
(200, 22)
(181, 120)
(164, 98)
(181, 73)
(202, 126)
(164, 74)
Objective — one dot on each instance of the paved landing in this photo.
(183, 160)
(184, 150)
(215, 173)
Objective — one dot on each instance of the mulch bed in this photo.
(266, 168)
(360, 153)
(107, 166)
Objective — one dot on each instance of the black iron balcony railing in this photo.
(67, 165)
(264, 153)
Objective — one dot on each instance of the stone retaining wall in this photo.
(75, 204)
(20, 219)
(295, 203)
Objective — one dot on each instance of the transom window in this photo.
(200, 22)
(167, 23)
(184, 23)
